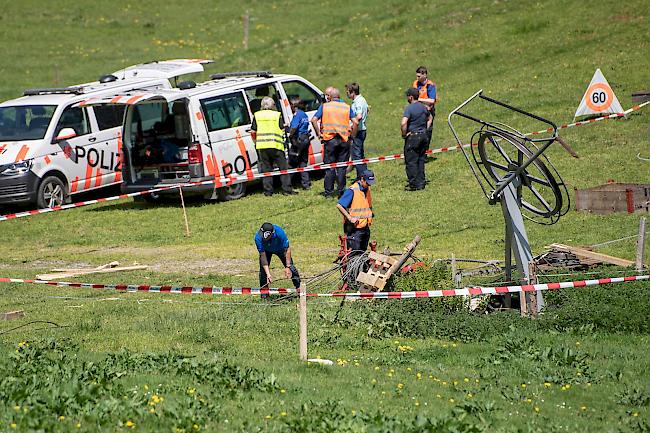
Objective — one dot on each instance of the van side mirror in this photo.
(65, 134)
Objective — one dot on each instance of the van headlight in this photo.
(15, 168)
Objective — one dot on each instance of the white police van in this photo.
(202, 132)
(52, 147)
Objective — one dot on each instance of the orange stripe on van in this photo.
(116, 99)
(199, 115)
(133, 99)
(98, 177)
(47, 159)
(2, 148)
(286, 102)
(22, 153)
(312, 158)
(213, 170)
(242, 151)
(118, 176)
(74, 185)
(89, 176)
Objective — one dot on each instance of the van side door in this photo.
(106, 120)
(228, 123)
(312, 99)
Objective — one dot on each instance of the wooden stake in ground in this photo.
(302, 319)
(246, 23)
(640, 242)
(187, 225)
(528, 300)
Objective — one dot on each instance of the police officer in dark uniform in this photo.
(415, 122)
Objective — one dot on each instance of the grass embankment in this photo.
(539, 56)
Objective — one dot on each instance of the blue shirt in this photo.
(348, 195)
(360, 106)
(417, 115)
(431, 90)
(300, 122)
(319, 112)
(278, 243)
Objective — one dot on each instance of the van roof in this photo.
(144, 75)
(225, 84)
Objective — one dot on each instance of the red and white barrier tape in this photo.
(481, 290)
(229, 180)
(211, 290)
(206, 290)
(590, 121)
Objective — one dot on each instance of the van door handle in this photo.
(92, 139)
(248, 130)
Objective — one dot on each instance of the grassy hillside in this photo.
(536, 55)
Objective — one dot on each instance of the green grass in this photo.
(536, 55)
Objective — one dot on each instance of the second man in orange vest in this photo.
(356, 207)
(332, 124)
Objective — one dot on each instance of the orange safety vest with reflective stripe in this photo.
(269, 134)
(361, 206)
(336, 120)
(423, 89)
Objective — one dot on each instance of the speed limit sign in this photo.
(599, 98)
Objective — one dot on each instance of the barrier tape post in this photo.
(187, 225)
(302, 319)
(640, 245)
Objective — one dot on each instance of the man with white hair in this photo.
(269, 141)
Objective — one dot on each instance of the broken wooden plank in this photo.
(107, 265)
(60, 275)
(582, 252)
(13, 315)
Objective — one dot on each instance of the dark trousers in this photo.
(357, 239)
(299, 157)
(357, 152)
(268, 159)
(335, 150)
(415, 147)
(295, 276)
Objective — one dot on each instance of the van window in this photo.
(109, 116)
(256, 94)
(75, 118)
(226, 111)
(25, 122)
(311, 99)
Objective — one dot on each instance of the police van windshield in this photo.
(25, 122)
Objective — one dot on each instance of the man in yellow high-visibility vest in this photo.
(269, 141)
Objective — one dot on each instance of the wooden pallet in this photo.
(384, 266)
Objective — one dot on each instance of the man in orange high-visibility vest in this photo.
(428, 95)
(356, 207)
(332, 124)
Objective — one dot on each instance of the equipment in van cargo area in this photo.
(158, 141)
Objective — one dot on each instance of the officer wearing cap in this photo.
(356, 207)
(415, 123)
(271, 240)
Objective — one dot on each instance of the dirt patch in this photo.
(206, 266)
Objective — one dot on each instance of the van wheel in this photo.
(232, 192)
(51, 193)
(151, 198)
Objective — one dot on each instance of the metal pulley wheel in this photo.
(500, 151)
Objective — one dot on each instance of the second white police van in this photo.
(202, 132)
(52, 147)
